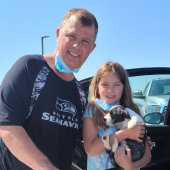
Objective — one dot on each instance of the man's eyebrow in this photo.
(86, 38)
(72, 33)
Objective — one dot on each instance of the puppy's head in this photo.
(116, 114)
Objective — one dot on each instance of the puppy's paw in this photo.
(114, 144)
(105, 137)
(133, 121)
(105, 140)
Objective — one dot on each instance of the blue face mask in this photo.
(104, 105)
(61, 66)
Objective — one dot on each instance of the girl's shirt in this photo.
(100, 161)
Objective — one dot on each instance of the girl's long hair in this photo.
(126, 99)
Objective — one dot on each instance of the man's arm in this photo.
(22, 147)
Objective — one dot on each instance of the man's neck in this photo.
(50, 59)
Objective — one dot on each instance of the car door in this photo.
(158, 131)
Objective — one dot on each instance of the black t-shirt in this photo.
(56, 118)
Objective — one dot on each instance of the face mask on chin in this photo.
(104, 105)
(61, 66)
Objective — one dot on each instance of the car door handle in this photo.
(157, 144)
(153, 144)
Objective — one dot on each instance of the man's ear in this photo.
(57, 33)
(93, 47)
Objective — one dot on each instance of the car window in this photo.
(151, 93)
(160, 87)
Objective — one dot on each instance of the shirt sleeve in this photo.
(87, 112)
(15, 94)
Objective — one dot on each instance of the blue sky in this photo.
(135, 33)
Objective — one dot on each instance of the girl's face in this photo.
(110, 88)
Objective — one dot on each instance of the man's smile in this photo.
(75, 55)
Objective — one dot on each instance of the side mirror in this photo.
(138, 94)
(153, 118)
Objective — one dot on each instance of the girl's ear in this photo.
(97, 90)
(97, 93)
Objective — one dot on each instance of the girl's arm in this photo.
(94, 145)
(125, 160)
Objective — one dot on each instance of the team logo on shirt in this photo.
(65, 106)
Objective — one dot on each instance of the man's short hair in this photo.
(85, 17)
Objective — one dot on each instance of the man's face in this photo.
(75, 42)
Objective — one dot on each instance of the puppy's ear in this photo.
(125, 113)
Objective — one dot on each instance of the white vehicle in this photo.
(157, 94)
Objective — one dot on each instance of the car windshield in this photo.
(160, 87)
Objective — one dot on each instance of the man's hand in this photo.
(136, 132)
(123, 160)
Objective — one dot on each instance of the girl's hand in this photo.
(149, 143)
(136, 132)
(123, 160)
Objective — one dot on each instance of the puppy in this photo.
(119, 117)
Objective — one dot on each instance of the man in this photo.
(41, 102)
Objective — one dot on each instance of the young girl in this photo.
(110, 85)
